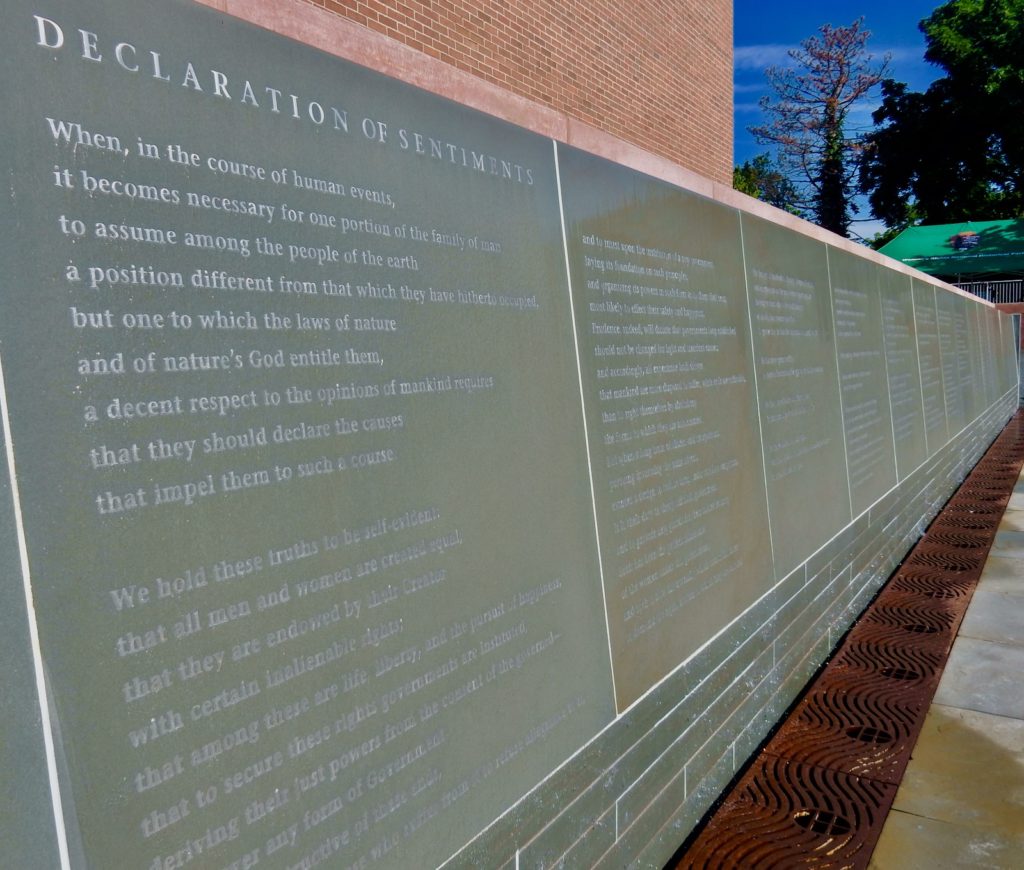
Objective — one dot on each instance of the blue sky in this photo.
(765, 29)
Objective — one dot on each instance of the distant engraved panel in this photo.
(988, 320)
(1006, 358)
(863, 386)
(1005, 362)
(1008, 365)
(966, 348)
(900, 339)
(955, 358)
(1008, 371)
(798, 386)
(297, 422)
(667, 376)
(982, 351)
(988, 328)
(1008, 343)
(930, 357)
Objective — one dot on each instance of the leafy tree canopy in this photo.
(763, 180)
(956, 151)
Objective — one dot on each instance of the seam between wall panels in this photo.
(839, 381)
(920, 372)
(586, 430)
(757, 397)
(888, 381)
(942, 367)
(33, 628)
(614, 723)
(889, 492)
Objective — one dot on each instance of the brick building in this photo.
(652, 73)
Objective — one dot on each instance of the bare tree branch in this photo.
(806, 118)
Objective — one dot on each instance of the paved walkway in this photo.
(961, 802)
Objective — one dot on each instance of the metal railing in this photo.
(996, 291)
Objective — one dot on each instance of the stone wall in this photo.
(391, 480)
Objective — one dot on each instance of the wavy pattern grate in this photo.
(782, 809)
(979, 540)
(933, 584)
(818, 792)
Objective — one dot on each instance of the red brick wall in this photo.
(657, 73)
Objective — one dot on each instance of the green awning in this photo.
(969, 248)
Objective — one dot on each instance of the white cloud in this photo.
(864, 107)
(758, 57)
(898, 53)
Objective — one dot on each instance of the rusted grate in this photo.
(911, 614)
(946, 558)
(860, 723)
(782, 809)
(934, 584)
(954, 520)
(818, 792)
(971, 508)
(985, 496)
(910, 635)
(901, 663)
(959, 540)
(999, 482)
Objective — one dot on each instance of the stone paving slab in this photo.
(996, 616)
(968, 769)
(961, 801)
(916, 843)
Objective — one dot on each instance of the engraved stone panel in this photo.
(981, 356)
(669, 391)
(989, 350)
(1003, 359)
(930, 358)
(1008, 343)
(797, 381)
(27, 828)
(900, 338)
(296, 423)
(364, 477)
(863, 384)
(952, 323)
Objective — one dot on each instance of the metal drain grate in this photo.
(946, 558)
(857, 729)
(898, 662)
(973, 508)
(992, 481)
(911, 614)
(818, 792)
(782, 809)
(971, 521)
(933, 584)
(985, 496)
(922, 638)
(959, 540)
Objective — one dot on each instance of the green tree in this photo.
(956, 151)
(761, 179)
(808, 119)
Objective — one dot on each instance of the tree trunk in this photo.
(831, 207)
